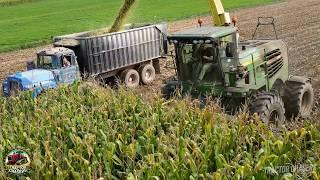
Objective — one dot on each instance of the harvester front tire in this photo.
(130, 78)
(298, 98)
(171, 90)
(147, 74)
(269, 107)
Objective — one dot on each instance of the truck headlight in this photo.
(5, 89)
(27, 86)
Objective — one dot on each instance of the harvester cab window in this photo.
(198, 61)
(227, 51)
(227, 46)
(208, 69)
(185, 60)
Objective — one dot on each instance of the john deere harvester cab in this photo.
(211, 61)
(206, 56)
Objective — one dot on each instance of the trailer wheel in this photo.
(298, 98)
(147, 73)
(269, 107)
(130, 78)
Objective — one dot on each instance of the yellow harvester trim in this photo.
(220, 18)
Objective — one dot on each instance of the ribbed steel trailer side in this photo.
(100, 55)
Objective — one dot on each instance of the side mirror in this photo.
(74, 60)
(30, 65)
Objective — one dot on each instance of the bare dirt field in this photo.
(297, 23)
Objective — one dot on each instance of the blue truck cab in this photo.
(53, 67)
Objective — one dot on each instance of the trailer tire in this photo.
(298, 98)
(130, 78)
(269, 107)
(147, 73)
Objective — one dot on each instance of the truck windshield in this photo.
(198, 62)
(48, 62)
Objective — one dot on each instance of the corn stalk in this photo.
(85, 131)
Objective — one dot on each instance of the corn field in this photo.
(88, 132)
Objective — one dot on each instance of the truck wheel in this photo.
(298, 98)
(269, 107)
(130, 78)
(14, 91)
(147, 73)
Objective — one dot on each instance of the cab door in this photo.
(69, 69)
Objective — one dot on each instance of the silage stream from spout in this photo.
(120, 19)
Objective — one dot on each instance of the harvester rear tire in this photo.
(147, 74)
(130, 78)
(298, 98)
(269, 107)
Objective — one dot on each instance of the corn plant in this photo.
(88, 132)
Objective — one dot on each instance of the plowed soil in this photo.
(297, 23)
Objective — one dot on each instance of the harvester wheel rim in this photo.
(306, 104)
(274, 116)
